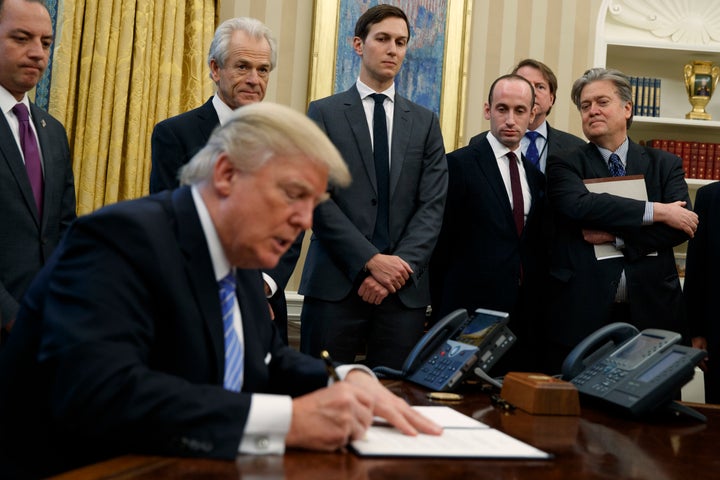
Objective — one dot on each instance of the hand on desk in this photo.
(330, 418)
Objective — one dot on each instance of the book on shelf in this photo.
(701, 160)
(646, 96)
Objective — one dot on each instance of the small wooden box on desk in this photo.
(540, 394)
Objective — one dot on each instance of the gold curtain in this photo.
(120, 66)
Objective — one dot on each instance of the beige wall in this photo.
(560, 33)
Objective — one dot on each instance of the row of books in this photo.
(646, 96)
(700, 159)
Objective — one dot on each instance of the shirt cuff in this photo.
(343, 370)
(267, 425)
(649, 211)
(271, 283)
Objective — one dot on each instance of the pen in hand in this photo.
(329, 366)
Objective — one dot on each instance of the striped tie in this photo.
(233, 348)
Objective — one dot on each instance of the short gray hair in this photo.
(257, 132)
(619, 79)
(253, 27)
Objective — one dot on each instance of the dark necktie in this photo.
(31, 154)
(532, 153)
(517, 195)
(381, 234)
(234, 356)
(616, 166)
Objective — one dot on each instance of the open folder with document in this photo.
(462, 437)
(630, 186)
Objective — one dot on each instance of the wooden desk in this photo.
(593, 446)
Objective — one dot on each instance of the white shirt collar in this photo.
(221, 264)
(7, 101)
(364, 90)
(221, 108)
(499, 149)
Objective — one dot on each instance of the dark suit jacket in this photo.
(126, 327)
(702, 283)
(174, 142)
(343, 225)
(557, 140)
(583, 288)
(478, 258)
(27, 241)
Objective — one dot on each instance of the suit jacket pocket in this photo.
(563, 275)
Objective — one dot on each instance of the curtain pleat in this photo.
(120, 67)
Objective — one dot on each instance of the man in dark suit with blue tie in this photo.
(702, 284)
(640, 285)
(148, 331)
(37, 193)
(490, 253)
(365, 278)
(242, 55)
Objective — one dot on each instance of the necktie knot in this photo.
(378, 97)
(532, 153)
(21, 112)
(615, 166)
(532, 135)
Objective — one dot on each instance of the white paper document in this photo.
(463, 437)
(631, 186)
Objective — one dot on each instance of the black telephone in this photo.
(635, 372)
(453, 346)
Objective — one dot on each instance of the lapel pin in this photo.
(42, 122)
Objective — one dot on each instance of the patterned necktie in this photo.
(616, 166)
(31, 153)
(234, 355)
(517, 194)
(532, 153)
(381, 234)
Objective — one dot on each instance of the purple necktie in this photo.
(31, 153)
(517, 195)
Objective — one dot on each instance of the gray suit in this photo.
(343, 226)
(26, 241)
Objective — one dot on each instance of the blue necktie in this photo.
(532, 153)
(31, 154)
(381, 234)
(233, 349)
(615, 166)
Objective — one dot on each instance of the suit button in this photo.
(43, 241)
(373, 202)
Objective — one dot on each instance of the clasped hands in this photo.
(330, 418)
(388, 274)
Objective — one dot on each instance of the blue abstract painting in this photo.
(420, 78)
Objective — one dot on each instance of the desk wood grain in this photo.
(594, 445)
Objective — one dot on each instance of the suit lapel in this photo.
(596, 165)
(208, 119)
(48, 146)
(637, 162)
(485, 160)
(13, 158)
(199, 270)
(355, 116)
(402, 126)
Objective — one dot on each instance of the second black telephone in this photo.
(453, 346)
(636, 372)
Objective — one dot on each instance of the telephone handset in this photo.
(637, 372)
(453, 346)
